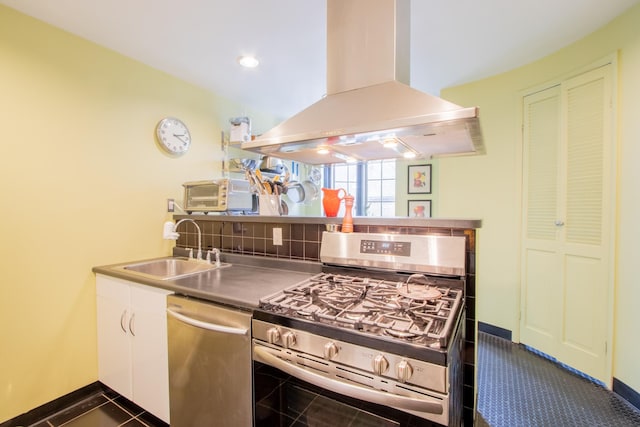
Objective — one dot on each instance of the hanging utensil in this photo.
(295, 192)
(271, 165)
(315, 176)
(311, 191)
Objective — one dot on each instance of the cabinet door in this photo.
(114, 344)
(150, 350)
(132, 342)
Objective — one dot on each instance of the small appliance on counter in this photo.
(219, 195)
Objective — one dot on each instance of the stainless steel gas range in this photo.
(374, 340)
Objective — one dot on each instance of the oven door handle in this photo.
(206, 325)
(268, 356)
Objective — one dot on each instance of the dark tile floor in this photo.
(515, 388)
(103, 409)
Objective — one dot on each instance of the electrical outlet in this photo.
(171, 205)
(277, 236)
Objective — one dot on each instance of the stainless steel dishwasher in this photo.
(209, 364)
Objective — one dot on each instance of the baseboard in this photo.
(493, 330)
(626, 392)
(50, 408)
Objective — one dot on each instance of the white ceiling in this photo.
(452, 42)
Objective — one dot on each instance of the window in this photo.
(373, 184)
(381, 188)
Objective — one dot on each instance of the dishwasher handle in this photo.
(206, 325)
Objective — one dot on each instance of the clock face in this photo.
(173, 135)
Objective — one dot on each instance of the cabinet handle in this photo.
(131, 324)
(124, 314)
(559, 223)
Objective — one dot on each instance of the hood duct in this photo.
(368, 113)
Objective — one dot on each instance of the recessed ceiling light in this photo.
(323, 150)
(248, 61)
(409, 155)
(390, 142)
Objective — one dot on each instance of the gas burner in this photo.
(420, 309)
(354, 316)
(403, 335)
(305, 313)
(419, 292)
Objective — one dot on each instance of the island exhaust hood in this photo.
(368, 113)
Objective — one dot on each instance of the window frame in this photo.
(362, 184)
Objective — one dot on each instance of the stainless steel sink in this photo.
(171, 268)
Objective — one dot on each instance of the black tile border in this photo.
(494, 330)
(149, 419)
(78, 409)
(48, 409)
(107, 414)
(626, 392)
(96, 390)
(133, 409)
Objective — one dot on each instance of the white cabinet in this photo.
(132, 342)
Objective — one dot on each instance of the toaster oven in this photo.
(219, 195)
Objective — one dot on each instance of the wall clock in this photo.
(173, 135)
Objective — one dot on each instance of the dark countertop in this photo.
(241, 285)
(357, 220)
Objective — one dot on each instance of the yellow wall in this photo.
(82, 184)
(488, 187)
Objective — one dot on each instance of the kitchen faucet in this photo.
(170, 233)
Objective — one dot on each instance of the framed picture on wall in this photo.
(419, 177)
(419, 208)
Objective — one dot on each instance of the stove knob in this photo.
(273, 335)
(404, 371)
(330, 350)
(288, 339)
(380, 365)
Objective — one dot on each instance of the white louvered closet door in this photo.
(568, 200)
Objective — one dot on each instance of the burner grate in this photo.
(415, 312)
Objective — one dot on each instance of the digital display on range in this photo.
(385, 247)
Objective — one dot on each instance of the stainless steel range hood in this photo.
(369, 113)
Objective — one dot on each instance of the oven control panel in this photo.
(385, 247)
(436, 254)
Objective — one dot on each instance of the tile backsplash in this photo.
(299, 241)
